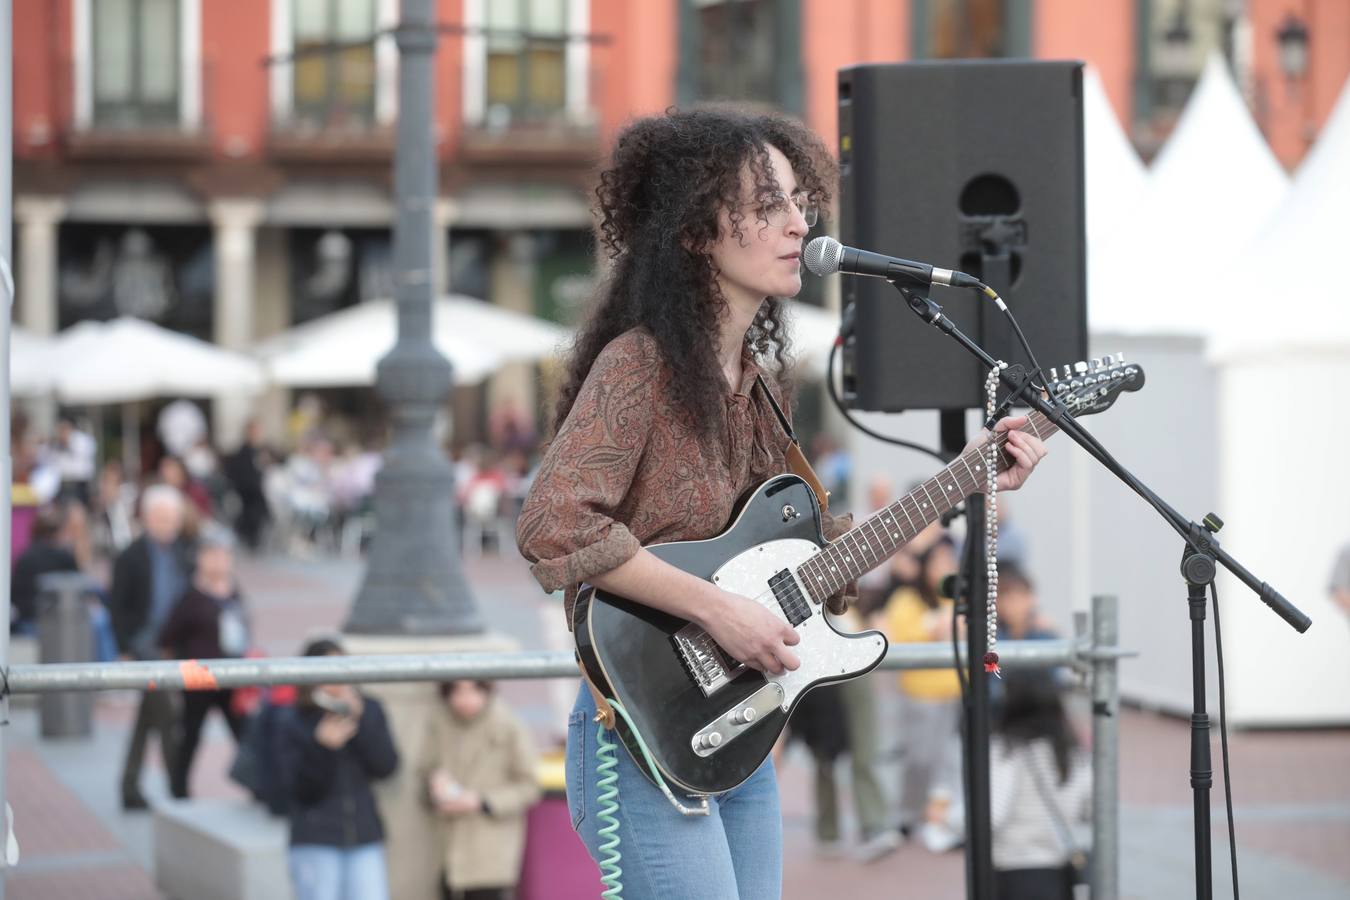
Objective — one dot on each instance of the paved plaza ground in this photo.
(1291, 790)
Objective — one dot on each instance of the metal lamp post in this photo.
(414, 582)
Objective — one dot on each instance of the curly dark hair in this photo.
(658, 204)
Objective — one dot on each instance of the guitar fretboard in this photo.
(867, 545)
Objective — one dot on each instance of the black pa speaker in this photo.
(972, 165)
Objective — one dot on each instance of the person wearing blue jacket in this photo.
(335, 746)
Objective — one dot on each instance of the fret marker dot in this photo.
(925, 506)
(950, 487)
(895, 534)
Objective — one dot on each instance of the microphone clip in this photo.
(1018, 371)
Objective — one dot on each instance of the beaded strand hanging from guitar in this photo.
(991, 527)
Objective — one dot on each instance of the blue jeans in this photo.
(736, 853)
(338, 873)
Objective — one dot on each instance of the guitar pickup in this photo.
(790, 598)
(737, 720)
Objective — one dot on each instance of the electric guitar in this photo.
(707, 719)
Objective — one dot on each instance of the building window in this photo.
(746, 51)
(737, 50)
(136, 62)
(334, 69)
(526, 59)
(971, 29)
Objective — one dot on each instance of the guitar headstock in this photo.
(1092, 386)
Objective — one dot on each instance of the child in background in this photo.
(478, 761)
(1040, 790)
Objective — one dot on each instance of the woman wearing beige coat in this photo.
(478, 762)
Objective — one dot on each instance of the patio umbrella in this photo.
(30, 371)
(125, 361)
(342, 349)
(129, 359)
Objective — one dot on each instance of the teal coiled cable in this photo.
(608, 798)
(608, 786)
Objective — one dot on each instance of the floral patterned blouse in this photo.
(627, 468)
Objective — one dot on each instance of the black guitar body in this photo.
(631, 652)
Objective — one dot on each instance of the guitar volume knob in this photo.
(743, 716)
(710, 741)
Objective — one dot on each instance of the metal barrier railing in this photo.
(1093, 651)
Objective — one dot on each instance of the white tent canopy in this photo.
(1283, 359)
(1113, 173)
(1114, 181)
(129, 359)
(30, 368)
(1211, 188)
(342, 349)
(1290, 293)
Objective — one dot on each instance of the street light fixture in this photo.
(1293, 40)
(1174, 55)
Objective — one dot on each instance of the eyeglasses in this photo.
(777, 208)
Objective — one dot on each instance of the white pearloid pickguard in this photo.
(824, 653)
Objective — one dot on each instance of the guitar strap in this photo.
(796, 460)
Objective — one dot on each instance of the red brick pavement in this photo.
(55, 830)
(128, 882)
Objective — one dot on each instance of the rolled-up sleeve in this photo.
(568, 528)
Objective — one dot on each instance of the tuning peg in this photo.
(1080, 367)
(1054, 376)
(1120, 357)
(1092, 364)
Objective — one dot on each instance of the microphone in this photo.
(825, 256)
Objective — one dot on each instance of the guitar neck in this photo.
(869, 544)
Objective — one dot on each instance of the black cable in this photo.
(843, 411)
(1223, 738)
(1017, 329)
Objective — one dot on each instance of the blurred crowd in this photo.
(160, 547)
(906, 774)
(309, 495)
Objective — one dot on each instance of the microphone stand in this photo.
(1201, 555)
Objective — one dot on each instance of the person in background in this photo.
(148, 578)
(1019, 614)
(207, 623)
(172, 472)
(1040, 791)
(334, 746)
(74, 454)
(876, 585)
(478, 763)
(115, 510)
(1340, 580)
(47, 552)
(931, 795)
(833, 465)
(244, 470)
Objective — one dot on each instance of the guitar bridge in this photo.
(707, 664)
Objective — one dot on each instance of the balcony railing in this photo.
(139, 132)
(519, 135)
